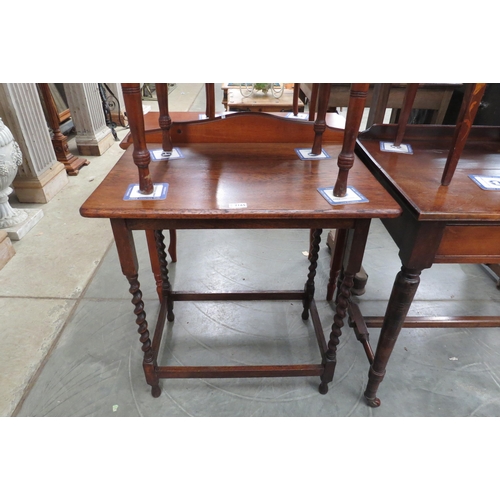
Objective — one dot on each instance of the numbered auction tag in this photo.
(306, 154)
(352, 196)
(486, 182)
(159, 192)
(389, 147)
(160, 155)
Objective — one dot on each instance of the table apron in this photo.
(163, 224)
(474, 244)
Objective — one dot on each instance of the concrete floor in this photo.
(70, 345)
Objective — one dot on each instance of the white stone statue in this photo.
(10, 160)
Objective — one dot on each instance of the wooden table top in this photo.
(415, 180)
(269, 177)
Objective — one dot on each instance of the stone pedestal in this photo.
(16, 222)
(41, 176)
(17, 231)
(93, 136)
(6, 249)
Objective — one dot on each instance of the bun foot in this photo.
(170, 316)
(155, 391)
(323, 388)
(373, 402)
(305, 315)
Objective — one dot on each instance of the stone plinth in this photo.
(16, 232)
(41, 175)
(6, 249)
(93, 136)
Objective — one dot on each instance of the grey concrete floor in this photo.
(87, 358)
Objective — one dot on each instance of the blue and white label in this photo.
(486, 182)
(298, 116)
(389, 147)
(306, 154)
(352, 196)
(159, 192)
(160, 155)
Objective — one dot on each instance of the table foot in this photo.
(373, 402)
(323, 388)
(156, 391)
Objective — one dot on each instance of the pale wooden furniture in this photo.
(261, 102)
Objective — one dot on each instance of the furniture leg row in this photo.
(150, 346)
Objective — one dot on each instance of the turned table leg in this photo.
(403, 291)
(309, 286)
(154, 259)
(130, 268)
(353, 254)
(166, 290)
(336, 261)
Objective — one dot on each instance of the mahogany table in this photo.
(459, 223)
(241, 184)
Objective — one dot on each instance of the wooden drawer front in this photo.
(472, 244)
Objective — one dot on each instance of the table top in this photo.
(415, 179)
(269, 178)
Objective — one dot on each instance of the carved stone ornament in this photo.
(10, 160)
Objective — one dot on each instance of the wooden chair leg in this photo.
(295, 102)
(164, 120)
(357, 98)
(320, 122)
(313, 101)
(210, 100)
(409, 99)
(380, 98)
(141, 156)
(468, 110)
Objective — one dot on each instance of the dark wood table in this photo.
(459, 223)
(260, 171)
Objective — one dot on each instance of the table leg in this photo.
(353, 254)
(309, 286)
(153, 256)
(155, 263)
(336, 261)
(403, 292)
(166, 289)
(130, 268)
(172, 246)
